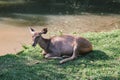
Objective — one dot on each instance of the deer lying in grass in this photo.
(58, 46)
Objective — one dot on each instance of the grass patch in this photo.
(101, 64)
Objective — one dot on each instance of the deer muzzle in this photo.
(34, 44)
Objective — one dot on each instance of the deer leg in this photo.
(49, 56)
(65, 56)
(74, 55)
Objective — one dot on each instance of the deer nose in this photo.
(44, 54)
(33, 45)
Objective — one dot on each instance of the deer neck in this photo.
(44, 43)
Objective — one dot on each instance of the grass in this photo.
(101, 64)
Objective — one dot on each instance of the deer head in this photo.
(36, 36)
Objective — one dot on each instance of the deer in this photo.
(63, 47)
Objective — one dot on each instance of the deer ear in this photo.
(44, 31)
(32, 31)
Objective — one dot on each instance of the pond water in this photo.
(13, 36)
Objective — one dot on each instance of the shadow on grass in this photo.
(14, 67)
(109, 78)
(90, 58)
(26, 67)
(97, 55)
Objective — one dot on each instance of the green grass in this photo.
(101, 64)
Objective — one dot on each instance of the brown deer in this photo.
(59, 46)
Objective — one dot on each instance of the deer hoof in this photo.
(61, 62)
